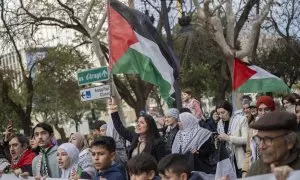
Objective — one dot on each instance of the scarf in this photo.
(24, 159)
(42, 165)
(86, 162)
(233, 124)
(191, 136)
(73, 157)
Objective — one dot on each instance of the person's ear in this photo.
(151, 174)
(113, 156)
(183, 176)
(291, 140)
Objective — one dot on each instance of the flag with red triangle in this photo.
(137, 48)
(253, 79)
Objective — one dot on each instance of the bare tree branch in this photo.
(218, 36)
(255, 31)
(87, 13)
(216, 8)
(77, 26)
(243, 18)
(154, 7)
(230, 24)
(100, 25)
(12, 40)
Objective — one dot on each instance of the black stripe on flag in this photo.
(141, 24)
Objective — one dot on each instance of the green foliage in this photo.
(278, 59)
(201, 60)
(56, 89)
(15, 93)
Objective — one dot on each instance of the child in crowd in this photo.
(142, 167)
(104, 153)
(103, 130)
(176, 166)
(67, 158)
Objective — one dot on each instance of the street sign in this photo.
(98, 92)
(93, 75)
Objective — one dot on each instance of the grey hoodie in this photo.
(52, 164)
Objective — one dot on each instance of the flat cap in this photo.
(276, 120)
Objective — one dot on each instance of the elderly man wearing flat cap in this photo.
(278, 144)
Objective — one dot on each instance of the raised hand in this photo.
(8, 131)
(281, 172)
(111, 105)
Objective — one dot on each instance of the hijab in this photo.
(191, 136)
(73, 154)
(81, 141)
(85, 156)
(104, 126)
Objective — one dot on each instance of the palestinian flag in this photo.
(253, 79)
(137, 48)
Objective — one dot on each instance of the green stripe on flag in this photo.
(133, 62)
(264, 85)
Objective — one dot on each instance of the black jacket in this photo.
(169, 139)
(201, 160)
(158, 146)
(211, 125)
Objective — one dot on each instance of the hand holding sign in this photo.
(281, 172)
(111, 105)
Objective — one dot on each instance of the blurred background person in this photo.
(85, 155)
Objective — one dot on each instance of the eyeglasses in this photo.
(267, 140)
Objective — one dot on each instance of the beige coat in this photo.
(238, 138)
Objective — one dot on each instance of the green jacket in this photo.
(53, 169)
(259, 168)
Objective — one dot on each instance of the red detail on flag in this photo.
(121, 36)
(241, 73)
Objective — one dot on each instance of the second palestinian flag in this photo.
(253, 79)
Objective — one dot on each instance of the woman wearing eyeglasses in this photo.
(146, 137)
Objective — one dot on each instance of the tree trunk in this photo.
(61, 132)
(158, 101)
(164, 12)
(223, 83)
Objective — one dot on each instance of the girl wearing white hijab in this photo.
(194, 141)
(68, 157)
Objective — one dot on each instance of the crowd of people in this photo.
(261, 138)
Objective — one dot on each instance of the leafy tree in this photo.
(278, 59)
(57, 95)
(201, 62)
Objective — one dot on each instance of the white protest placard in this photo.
(295, 175)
